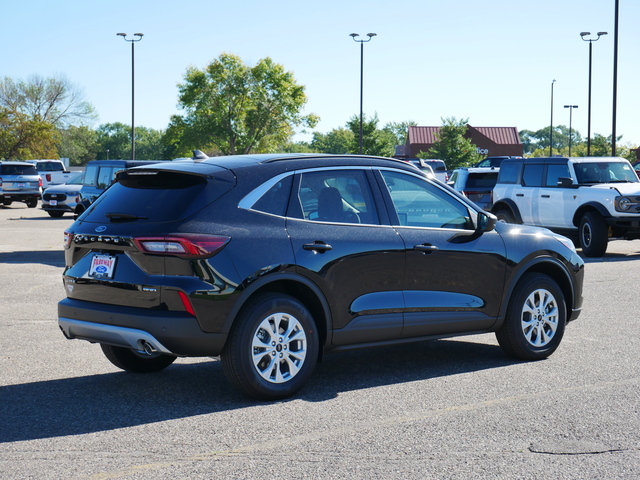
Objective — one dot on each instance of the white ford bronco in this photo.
(591, 199)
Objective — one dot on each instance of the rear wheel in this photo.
(272, 349)
(133, 361)
(535, 320)
(55, 213)
(7, 202)
(593, 234)
(32, 202)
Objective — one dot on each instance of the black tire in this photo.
(132, 361)
(505, 216)
(272, 349)
(32, 202)
(535, 320)
(55, 213)
(6, 203)
(593, 234)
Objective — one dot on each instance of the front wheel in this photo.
(593, 235)
(272, 349)
(535, 320)
(505, 216)
(133, 361)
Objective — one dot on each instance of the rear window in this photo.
(18, 170)
(156, 196)
(482, 180)
(50, 167)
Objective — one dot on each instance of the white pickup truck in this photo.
(52, 172)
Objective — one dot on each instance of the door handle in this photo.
(426, 248)
(519, 194)
(317, 246)
(546, 196)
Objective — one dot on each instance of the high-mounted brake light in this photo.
(183, 245)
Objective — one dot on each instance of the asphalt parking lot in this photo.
(445, 409)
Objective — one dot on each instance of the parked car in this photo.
(52, 172)
(61, 199)
(272, 260)
(99, 175)
(438, 167)
(590, 199)
(19, 182)
(476, 184)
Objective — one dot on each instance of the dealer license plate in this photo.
(53, 203)
(102, 266)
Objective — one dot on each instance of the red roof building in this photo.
(490, 141)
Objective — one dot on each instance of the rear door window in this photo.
(336, 196)
(532, 175)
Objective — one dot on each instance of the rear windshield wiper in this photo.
(124, 216)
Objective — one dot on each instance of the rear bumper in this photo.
(174, 333)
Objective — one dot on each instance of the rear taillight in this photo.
(182, 245)
(40, 181)
(68, 238)
(48, 178)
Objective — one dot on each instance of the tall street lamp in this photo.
(590, 40)
(615, 79)
(361, 42)
(570, 107)
(551, 129)
(136, 38)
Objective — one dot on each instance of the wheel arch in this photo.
(507, 204)
(587, 207)
(295, 286)
(554, 269)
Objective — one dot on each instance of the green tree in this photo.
(338, 140)
(452, 146)
(239, 109)
(399, 130)
(78, 144)
(23, 138)
(374, 141)
(539, 140)
(114, 141)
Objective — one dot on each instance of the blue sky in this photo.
(491, 62)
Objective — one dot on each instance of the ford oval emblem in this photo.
(101, 229)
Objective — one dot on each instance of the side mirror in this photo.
(486, 222)
(566, 182)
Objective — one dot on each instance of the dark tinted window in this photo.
(554, 172)
(276, 200)
(337, 196)
(532, 175)
(509, 172)
(50, 167)
(482, 180)
(155, 197)
(18, 170)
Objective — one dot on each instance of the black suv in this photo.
(272, 260)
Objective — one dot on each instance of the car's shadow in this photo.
(54, 258)
(87, 404)
(610, 257)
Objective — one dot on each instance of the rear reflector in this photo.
(187, 303)
(183, 245)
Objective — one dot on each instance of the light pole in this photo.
(590, 40)
(615, 79)
(361, 42)
(133, 41)
(570, 107)
(551, 129)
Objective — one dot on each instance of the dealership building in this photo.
(490, 141)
